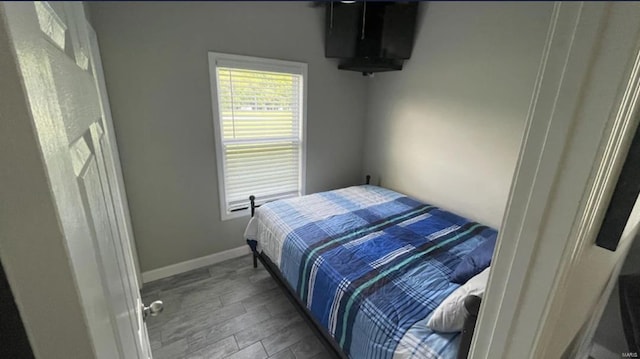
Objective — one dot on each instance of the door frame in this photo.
(573, 150)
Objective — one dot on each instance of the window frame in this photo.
(258, 64)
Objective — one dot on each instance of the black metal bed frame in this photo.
(471, 303)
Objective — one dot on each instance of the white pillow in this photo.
(449, 315)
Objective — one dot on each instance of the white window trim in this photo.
(260, 64)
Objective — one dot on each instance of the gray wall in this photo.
(447, 129)
(155, 64)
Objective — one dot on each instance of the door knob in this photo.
(153, 309)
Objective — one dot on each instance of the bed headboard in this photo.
(252, 198)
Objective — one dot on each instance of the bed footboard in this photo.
(472, 306)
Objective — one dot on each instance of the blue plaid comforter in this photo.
(370, 264)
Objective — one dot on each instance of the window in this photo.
(259, 117)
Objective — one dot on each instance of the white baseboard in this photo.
(192, 264)
(600, 352)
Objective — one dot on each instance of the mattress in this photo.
(370, 264)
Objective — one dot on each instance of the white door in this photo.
(121, 221)
(53, 41)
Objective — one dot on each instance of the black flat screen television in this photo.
(374, 33)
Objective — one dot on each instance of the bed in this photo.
(367, 266)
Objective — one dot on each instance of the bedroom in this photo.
(446, 130)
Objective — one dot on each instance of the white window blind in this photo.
(260, 117)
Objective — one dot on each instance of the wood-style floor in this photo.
(228, 310)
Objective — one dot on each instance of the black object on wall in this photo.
(13, 338)
(623, 199)
(370, 36)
